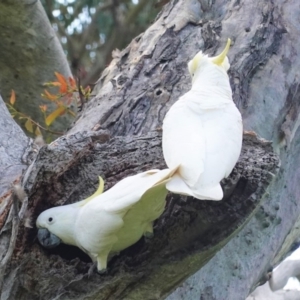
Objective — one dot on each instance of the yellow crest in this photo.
(219, 60)
(97, 193)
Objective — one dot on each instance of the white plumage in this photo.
(202, 131)
(202, 138)
(107, 223)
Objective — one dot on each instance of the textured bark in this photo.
(264, 76)
(186, 237)
(30, 53)
(14, 156)
(132, 97)
(13, 144)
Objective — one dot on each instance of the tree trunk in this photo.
(117, 134)
(186, 237)
(30, 53)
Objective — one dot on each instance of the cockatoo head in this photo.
(201, 60)
(57, 224)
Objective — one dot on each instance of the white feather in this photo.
(202, 133)
(112, 221)
(119, 217)
(182, 138)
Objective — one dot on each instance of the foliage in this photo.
(89, 30)
(68, 90)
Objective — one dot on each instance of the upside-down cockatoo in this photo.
(108, 222)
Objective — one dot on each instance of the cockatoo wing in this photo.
(151, 204)
(102, 218)
(135, 186)
(139, 218)
(223, 130)
(178, 186)
(183, 141)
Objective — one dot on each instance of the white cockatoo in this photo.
(202, 131)
(108, 222)
(280, 275)
(275, 288)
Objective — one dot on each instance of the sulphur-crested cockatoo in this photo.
(108, 222)
(202, 131)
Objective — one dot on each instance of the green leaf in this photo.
(55, 114)
(28, 125)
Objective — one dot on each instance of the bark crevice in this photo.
(187, 235)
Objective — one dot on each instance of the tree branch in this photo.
(133, 95)
(186, 237)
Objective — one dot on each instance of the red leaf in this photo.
(12, 99)
(72, 83)
(49, 96)
(63, 83)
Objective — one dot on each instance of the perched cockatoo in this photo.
(108, 222)
(202, 131)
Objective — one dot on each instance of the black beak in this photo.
(48, 239)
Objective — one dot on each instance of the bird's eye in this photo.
(50, 220)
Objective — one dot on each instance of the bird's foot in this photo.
(101, 272)
(148, 235)
(93, 268)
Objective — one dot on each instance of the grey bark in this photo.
(264, 76)
(12, 147)
(116, 135)
(30, 53)
(186, 236)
